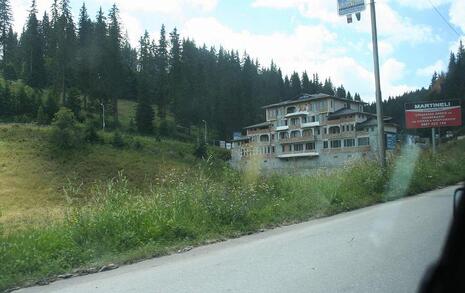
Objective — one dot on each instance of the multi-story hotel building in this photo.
(310, 131)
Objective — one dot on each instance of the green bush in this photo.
(201, 151)
(118, 140)
(90, 132)
(66, 134)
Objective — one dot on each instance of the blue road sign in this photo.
(350, 6)
(391, 141)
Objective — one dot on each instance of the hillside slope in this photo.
(33, 175)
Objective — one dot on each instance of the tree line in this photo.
(89, 63)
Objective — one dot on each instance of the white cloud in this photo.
(422, 4)
(322, 10)
(20, 10)
(428, 71)
(172, 7)
(133, 26)
(392, 27)
(457, 14)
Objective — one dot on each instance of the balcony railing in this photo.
(297, 139)
(342, 135)
(310, 124)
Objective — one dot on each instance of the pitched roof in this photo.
(258, 125)
(308, 97)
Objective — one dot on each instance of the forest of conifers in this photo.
(88, 62)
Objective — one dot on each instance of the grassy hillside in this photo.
(166, 200)
(32, 175)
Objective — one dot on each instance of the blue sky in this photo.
(305, 34)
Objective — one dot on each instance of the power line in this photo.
(444, 19)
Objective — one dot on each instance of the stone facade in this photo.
(311, 131)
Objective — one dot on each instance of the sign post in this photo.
(347, 7)
(433, 115)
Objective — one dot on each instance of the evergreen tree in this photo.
(113, 64)
(349, 96)
(296, 86)
(11, 64)
(306, 85)
(31, 45)
(175, 71)
(42, 118)
(6, 19)
(341, 92)
(161, 59)
(83, 55)
(328, 87)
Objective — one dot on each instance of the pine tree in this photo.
(296, 86)
(341, 92)
(113, 64)
(31, 43)
(349, 96)
(84, 55)
(162, 73)
(6, 19)
(306, 85)
(65, 48)
(51, 107)
(42, 118)
(328, 87)
(175, 71)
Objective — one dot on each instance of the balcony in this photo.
(282, 128)
(311, 124)
(297, 139)
(342, 135)
(258, 131)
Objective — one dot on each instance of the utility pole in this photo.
(433, 139)
(379, 100)
(205, 132)
(103, 116)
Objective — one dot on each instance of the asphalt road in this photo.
(385, 248)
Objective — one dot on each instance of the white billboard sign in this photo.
(350, 6)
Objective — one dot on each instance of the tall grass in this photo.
(208, 201)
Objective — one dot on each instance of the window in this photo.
(309, 146)
(283, 149)
(298, 147)
(304, 119)
(335, 144)
(295, 121)
(295, 134)
(273, 149)
(307, 133)
(363, 141)
(264, 138)
(348, 143)
(334, 130)
(325, 131)
(325, 144)
(272, 137)
(290, 110)
(283, 135)
(352, 127)
(318, 131)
